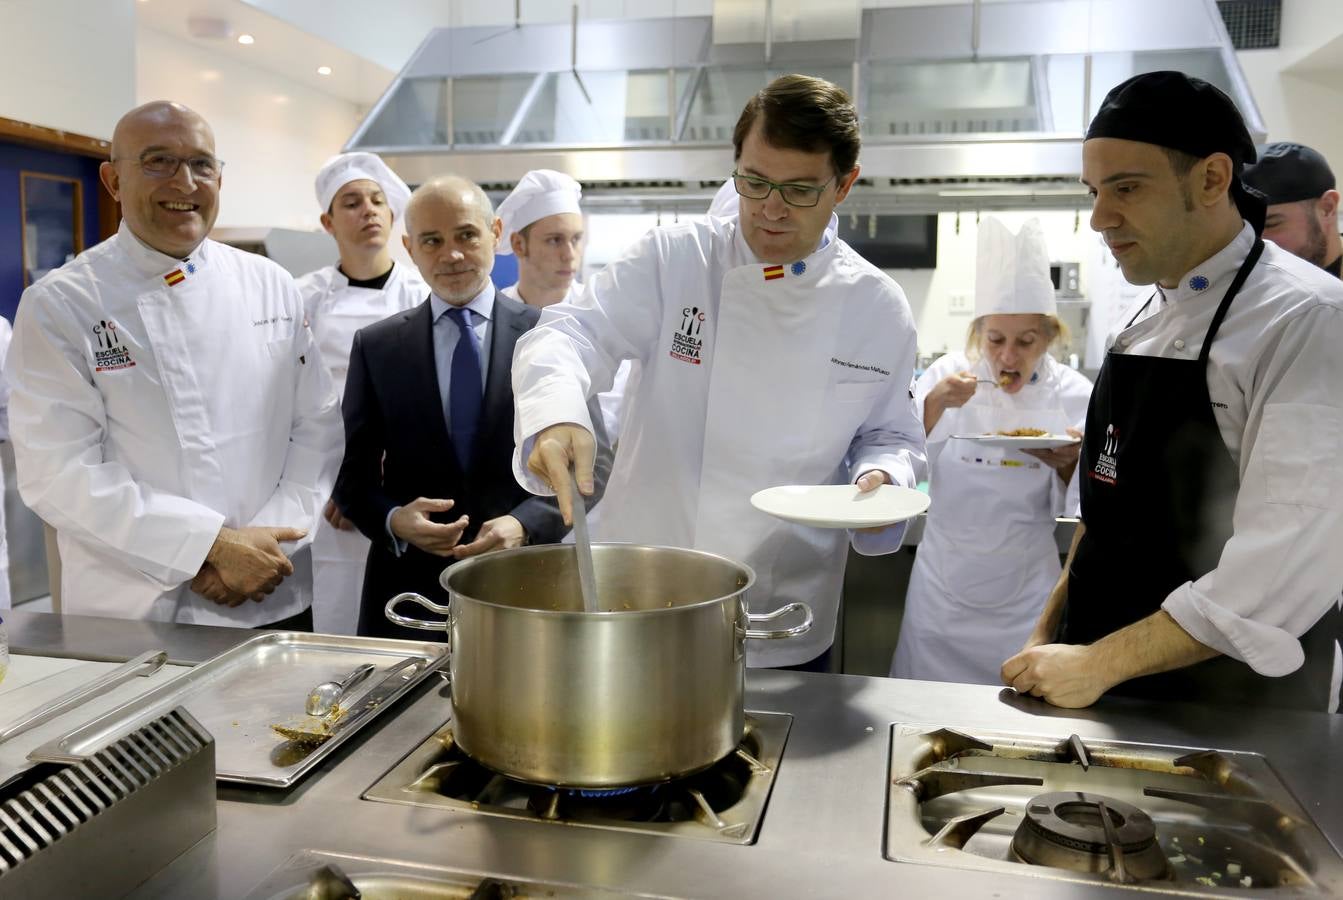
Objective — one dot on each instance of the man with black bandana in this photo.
(1298, 186)
(1206, 567)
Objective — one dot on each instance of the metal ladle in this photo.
(323, 698)
(587, 577)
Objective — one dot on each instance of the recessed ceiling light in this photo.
(246, 39)
(209, 75)
(280, 98)
(323, 70)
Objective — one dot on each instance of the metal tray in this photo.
(240, 693)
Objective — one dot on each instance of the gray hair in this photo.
(451, 184)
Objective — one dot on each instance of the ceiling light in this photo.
(323, 70)
(209, 75)
(246, 39)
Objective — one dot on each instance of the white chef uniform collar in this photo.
(725, 202)
(540, 193)
(1012, 270)
(343, 168)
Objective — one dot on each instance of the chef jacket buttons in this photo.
(1123, 342)
(1179, 344)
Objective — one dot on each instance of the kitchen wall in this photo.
(273, 133)
(68, 64)
(1298, 85)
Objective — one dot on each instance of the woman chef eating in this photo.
(988, 558)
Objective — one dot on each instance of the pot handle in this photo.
(774, 634)
(422, 624)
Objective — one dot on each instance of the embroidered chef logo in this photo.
(686, 341)
(1107, 465)
(109, 352)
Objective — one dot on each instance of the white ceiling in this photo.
(279, 47)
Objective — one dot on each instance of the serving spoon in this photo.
(323, 698)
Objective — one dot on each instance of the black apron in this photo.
(1158, 492)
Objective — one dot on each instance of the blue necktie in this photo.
(464, 388)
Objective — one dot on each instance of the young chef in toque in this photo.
(361, 199)
(543, 224)
(1207, 567)
(988, 557)
(170, 415)
(771, 354)
(1302, 217)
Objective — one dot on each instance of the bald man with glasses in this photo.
(169, 412)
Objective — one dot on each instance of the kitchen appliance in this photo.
(1172, 820)
(648, 689)
(1066, 279)
(105, 824)
(724, 803)
(318, 875)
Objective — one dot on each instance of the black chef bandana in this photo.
(1180, 112)
(1286, 173)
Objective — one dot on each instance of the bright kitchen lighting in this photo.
(323, 70)
(209, 75)
(246, 39)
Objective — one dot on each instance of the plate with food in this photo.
(1020, 439)
(841, 505)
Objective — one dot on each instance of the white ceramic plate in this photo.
(1043, 442)
(841, 505)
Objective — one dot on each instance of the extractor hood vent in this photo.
(997, 91)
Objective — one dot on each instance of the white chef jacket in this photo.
(988, 557)
(156, 400)
(610, 401)
(335, 310)
(1274, 377)
(748, 380)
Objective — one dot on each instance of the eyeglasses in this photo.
(803, 195)
(165, 165)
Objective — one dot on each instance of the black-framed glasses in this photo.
(165, 165)
(803, 195)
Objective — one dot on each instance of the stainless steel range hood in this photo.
(975, 104)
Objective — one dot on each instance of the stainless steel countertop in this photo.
(823, 828)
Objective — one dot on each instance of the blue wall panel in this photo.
(13, 160)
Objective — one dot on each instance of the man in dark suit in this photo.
(429, 414)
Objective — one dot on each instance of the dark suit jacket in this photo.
(397, 449)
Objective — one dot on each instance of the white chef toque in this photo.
(343, 168)
(539, 193)
(1012, 270)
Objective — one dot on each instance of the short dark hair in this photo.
(1180, 162)
(1183, 163)
(799, 112)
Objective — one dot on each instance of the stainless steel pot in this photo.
(646, 690)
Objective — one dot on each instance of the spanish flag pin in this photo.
(174, 278)
(773, 272)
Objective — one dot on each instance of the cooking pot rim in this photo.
(537, 549)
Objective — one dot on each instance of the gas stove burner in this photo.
(589, 793)
(627, 804)
(723, 803)
(1069, 830)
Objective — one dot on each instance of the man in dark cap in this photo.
(1298, 185)
(1206, 567)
